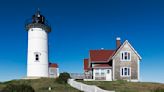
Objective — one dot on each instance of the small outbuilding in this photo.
(53, 70)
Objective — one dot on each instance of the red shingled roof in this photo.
(101, 55)
(86, 64)
(53, 65)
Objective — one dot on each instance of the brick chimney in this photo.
(118, 42)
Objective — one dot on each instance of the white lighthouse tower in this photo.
(37, 58)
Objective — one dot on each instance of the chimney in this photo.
(118, 42)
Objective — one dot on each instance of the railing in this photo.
(45, 25)
(77, 75)
(88, 76)
(86, 88)
(29, 21)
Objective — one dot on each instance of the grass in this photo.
(42, 85)
(124, 86)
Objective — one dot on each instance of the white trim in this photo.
(93, 74)
(131, 48)
(123, 52)
(123, 72)
(113, 68)
(138, 69)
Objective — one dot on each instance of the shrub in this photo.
(18, 88)
(63, 77)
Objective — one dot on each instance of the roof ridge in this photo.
(102, 50)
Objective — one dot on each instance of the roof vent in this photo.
(102, 48)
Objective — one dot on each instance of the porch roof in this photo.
(54, 65)
(102, 66)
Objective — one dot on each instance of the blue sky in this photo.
(79, 26)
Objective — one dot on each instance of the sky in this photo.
(82, 25)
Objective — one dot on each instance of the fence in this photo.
(85, 88)
(77, 75)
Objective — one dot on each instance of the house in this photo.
(53, 70)
(122, 63)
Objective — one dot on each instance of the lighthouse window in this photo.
(37, 57)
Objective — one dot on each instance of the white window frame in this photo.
(97, 72)
(103, 72)
(123, 52)
(100, 72)
(124, 72)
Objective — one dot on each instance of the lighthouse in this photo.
(37, 53)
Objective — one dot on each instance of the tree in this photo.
(63, 77)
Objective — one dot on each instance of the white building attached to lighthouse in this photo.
(37, 57)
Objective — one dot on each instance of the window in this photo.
(108, 71)
(102, 72)
(97, 72)
(125, 71)
(125, 56)
(37, 56)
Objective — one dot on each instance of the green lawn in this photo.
(41, 85)
(123, 86)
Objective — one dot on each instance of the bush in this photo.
(63, 77)
(18, 88)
